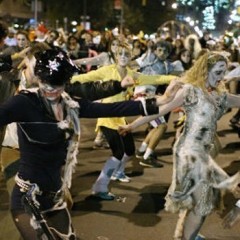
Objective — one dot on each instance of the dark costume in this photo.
(44, 145)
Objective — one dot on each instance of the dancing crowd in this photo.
(58, 78)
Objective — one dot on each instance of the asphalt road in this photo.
(138, 213)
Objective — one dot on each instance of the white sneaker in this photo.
(121, 177)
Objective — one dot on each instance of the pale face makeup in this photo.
(123, 57)
(216, 74)
(51, 92)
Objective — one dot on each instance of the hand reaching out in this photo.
(127, 82)
(228, 80)
(21, 54)
(124, 129)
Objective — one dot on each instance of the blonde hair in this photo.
(197, 75)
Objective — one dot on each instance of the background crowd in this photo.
(92, 50)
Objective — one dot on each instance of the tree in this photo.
(102, 14)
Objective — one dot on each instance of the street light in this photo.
(174, 6)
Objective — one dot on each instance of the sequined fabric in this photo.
(194, 170)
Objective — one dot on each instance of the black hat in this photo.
(53, 66)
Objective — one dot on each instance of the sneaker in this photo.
(139, 154)
(101, 145)
(150, 162)
(104, 196)
(154, 156)
(121, 178)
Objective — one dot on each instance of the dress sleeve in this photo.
(155, 79)
(94, 75)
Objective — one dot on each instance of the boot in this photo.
(100, 187)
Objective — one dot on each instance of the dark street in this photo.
(138, 212)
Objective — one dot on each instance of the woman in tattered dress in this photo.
(197, 179)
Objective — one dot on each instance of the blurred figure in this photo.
(10, 40)
(183, 61)
(193, 45)
(205, 38)
(51, 37)
(72, 47)
(178, 45)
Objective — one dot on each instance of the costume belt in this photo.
(25, 186)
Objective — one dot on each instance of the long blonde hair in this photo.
(197, 75)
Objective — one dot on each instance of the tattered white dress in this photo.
(194, 169)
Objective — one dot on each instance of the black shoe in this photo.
(139, 154)
(154, 156)
(150, 162)
(234, 124)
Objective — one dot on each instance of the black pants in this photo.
(119, 144)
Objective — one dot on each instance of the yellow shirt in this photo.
(110, 72)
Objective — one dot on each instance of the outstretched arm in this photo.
(94, 61)
(233, 100)
(164, 108)
(98, 90)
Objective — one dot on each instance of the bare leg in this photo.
(193, 221)
(179, 227)
(192, 226)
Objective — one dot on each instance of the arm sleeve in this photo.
(154, 79)
(94, 75)
(12, 110)
(118, 109)
(90, 109)
(94, 90)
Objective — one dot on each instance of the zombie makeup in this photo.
(123, 57)
(50, 92)
(216, 74)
